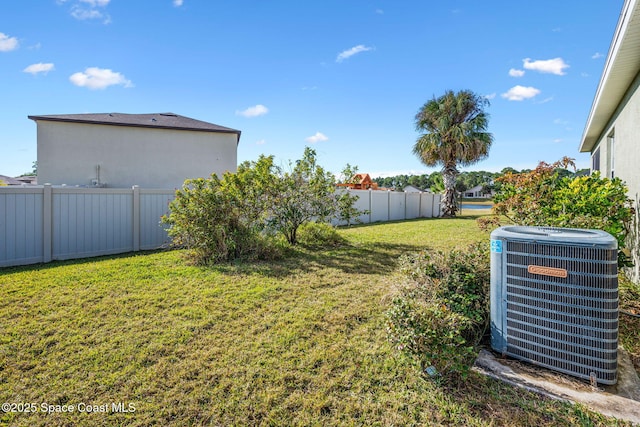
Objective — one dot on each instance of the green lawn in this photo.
(295, 342)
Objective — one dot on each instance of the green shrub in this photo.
(211, 223)
(542, 198)
(314, 234)
(240, 215)
(441, 311)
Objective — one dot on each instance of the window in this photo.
(595, 160)
(611, 150)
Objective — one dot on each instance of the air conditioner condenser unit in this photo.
(554, 299)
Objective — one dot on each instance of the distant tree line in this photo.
(464, 181)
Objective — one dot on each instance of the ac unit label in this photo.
(496, 246)
(547, 271)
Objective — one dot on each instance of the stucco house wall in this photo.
(612, 131)
(119, 155)
(618, 146)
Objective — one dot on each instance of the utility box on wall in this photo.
(554, 299)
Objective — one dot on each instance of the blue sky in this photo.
(344, 77)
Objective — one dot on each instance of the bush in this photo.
(542, 198)
(441, 311)
(240, 215)
(316, 234)
(208, 221)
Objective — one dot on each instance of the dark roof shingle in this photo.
(154, 120)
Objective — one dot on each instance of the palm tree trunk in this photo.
(449, 206)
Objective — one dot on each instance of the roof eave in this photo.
(614, 81)
(98, 122)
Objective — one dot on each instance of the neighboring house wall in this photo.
(476, 192)
(70, 153)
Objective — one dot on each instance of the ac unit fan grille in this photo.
(569, 324)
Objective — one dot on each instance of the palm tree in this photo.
(454, 127)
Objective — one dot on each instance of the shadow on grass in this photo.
(375, 259)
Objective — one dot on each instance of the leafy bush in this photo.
(207, 220)
(306, 193)
(240, 215)
(317, 234)
(441, 311)
(541, 198)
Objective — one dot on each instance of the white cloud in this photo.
(94, 3)
(39, 68)
(544, 101)
(516, 73)
(560, 122)
(88, 9)
(549, 66)
(7, 43)
(99, 78)
(82, 14)
(558, 140)
(261, 142)
(350, 52)
(490, 96)
(255, 111)
(519, 93)
(318, 137)
(178, 3)
(597, 55)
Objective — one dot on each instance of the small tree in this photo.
(304, 194)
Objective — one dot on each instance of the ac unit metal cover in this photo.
(554, 299)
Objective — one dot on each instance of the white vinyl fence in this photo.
(40, 224)
(393, 206)
(45, 223)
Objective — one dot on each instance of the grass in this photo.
(296, 342)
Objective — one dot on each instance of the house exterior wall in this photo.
(70, 153)
(624, 126)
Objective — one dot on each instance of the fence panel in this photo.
(21, 231)
(427, 200)
(412, 205)
(40, 224)
(98, 222)
(379, 206)
(153, 204)
(396, 205)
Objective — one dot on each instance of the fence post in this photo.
(370, 205)
(405, 205)
(136, 218)
(47, 220)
